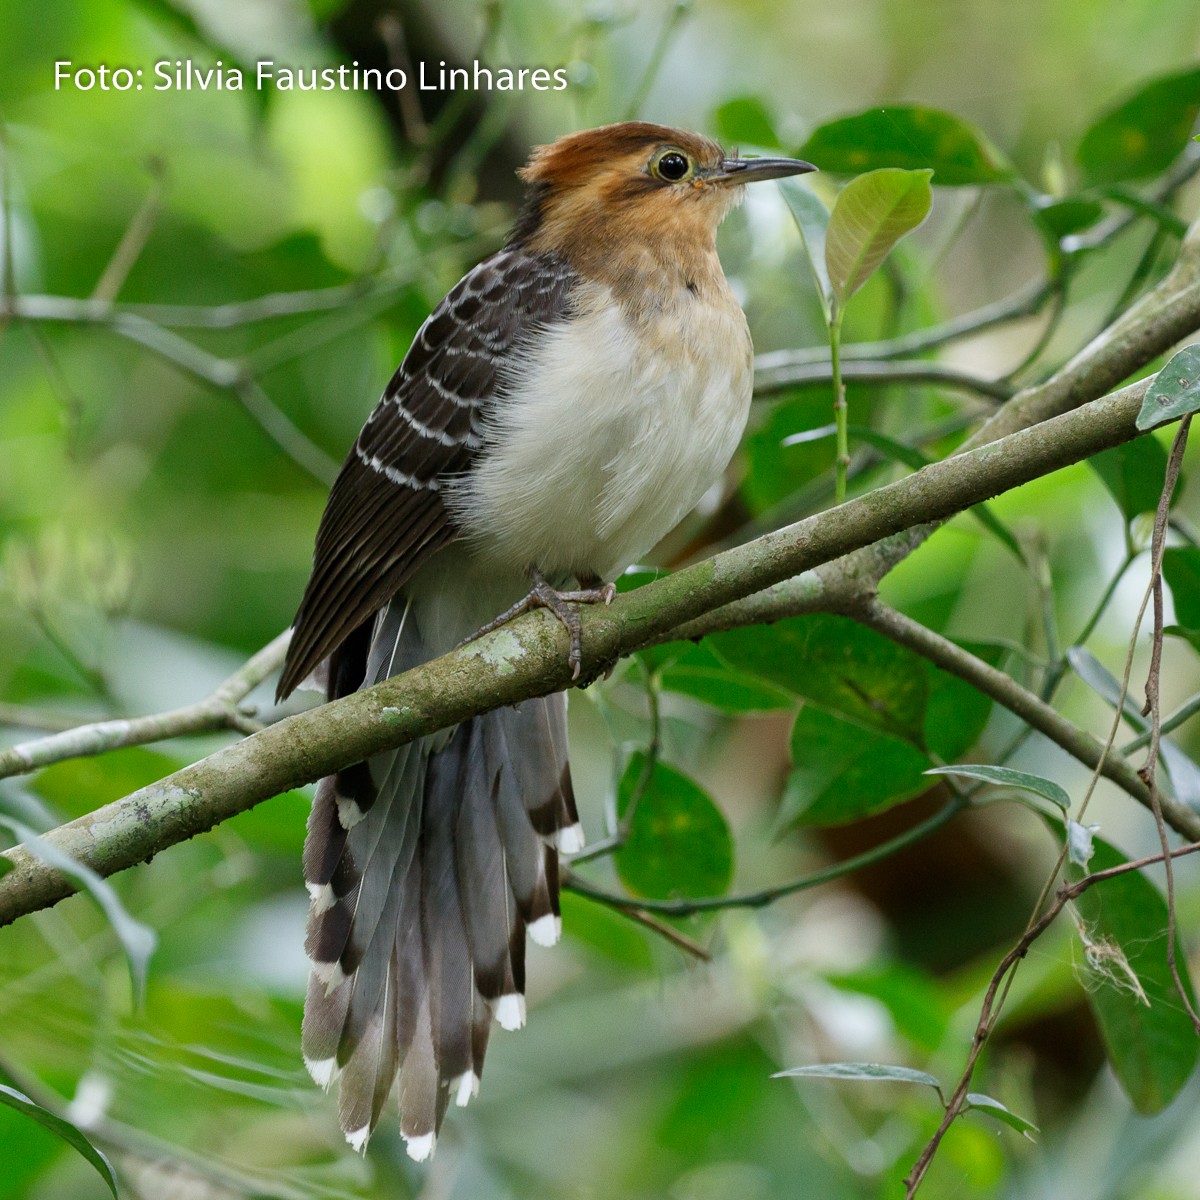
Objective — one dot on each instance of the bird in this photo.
(557, 414)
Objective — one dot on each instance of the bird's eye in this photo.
(670, 166)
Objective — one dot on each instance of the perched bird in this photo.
(557, 414)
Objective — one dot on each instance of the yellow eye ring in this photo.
(672, 165)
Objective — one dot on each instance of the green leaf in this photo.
(1191, 636)
(1147, 1034)
(1175, 391)
(870, 1072)
(910, 136)
(1061, 218)
(994, 1109)
(871, 214)
(1145, 133)
(1181, 570)
(812, 220)
(845, 770)
(63, 1129)
(678, 842)
(859, 674)
(956, 713)
(1007, 777)
(745, 121)
(1133, 474)
(839, 665)
(699, 673)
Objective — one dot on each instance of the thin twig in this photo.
(1024, 303)
(1018, 700)
(1067, 893)
(216, 711)
(1002, 980)
(770, 380)
(658, 54)
(48, 720)
(1185, 712)
(669, 932)
(1148, 770)
(133, 242)
(765, 896)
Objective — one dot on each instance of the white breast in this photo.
(607, 434)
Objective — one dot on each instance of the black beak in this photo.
(751, 170)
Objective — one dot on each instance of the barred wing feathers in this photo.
(386, 513)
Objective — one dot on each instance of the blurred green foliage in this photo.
(227, 279)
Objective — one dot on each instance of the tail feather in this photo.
(427, 866)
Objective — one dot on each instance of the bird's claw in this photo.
(542, 595)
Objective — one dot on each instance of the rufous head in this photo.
(635, 179)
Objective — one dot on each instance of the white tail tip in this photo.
(358, 1138)
(510, 1011)
(322, 1070)
(546, 930)
(322, 896)
(330, 974)
(570, 840)
(419, 1148)
(349, 814)
(466, 1087)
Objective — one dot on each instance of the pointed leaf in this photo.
(63, 1129)
(845, 771)
(910, 136)
(697, 672)
(1147, 1034)
(854, 672)
(1133, 474)
(994, 1109)
(869, 1072)
(1061, 218)
(678, 842)
(1143, 134)
(812, 219)
(1181, 570)
(871, 214)
(1175, 391)
(1007, 777)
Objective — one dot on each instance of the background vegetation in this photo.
(203, 294)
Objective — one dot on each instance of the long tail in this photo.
(426, 867)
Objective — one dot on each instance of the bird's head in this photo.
(636, 180)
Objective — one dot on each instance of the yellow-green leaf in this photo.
(871, 214)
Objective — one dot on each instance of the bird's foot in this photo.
(542, 595)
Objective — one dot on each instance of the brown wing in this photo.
(386, 513)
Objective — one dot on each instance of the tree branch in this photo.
(1162, 317)
(1006, 691)
(769, 380)
(529, 657)
(217, 711)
